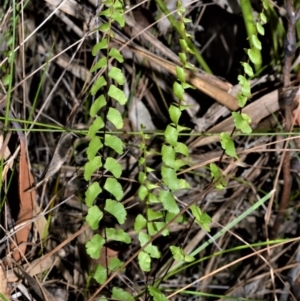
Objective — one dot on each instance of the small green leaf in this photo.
(142, 177)
(117, 94)
(116, 209)
(170, 217)
(142, 192)
(153, 251)
(153, 199)
(94, 216)
(182, 128)
(256, 42)
(248, 69)
(114, 188)
(114, 143)
(187, 86)
(120, 294)
(94, 146)
(149, 169)
(179, 254)
(254, 56)
(114, 264)
(143, 238)
(150, 186)
(119, 17)
(154, 227)
(183, 45)
(263, 18)
(182, 57)
(91, 193)
(201, 218)
(241, 122)
(168, 155)
(100, 64)
(260, 29)
(265, 4)
(228, 145)
(180, 74)
(170, 178)
(117, 235)
(95, 127)
(242, 80)
(113, 166)
(91, 166)
(178, 90)
(246, 89)
(245, 86)
(182, 149)
(168, 201)
(94, 246)
(242, 99)
(99, 103)
(171, 135)
(114, 116)
(117, 75)
(141, 161)
(246, 117)
(6, 79)
(156, 294)
(183, 184)
(219, 180)
(106, 12)
(177, 164)
(105, 27)
(153, 215)
(115, 53)
(101, 45)
(174, 113)
(144, 261)
(100, 274)
(100, 82)
(139, 223)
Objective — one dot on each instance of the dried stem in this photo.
(289, 53)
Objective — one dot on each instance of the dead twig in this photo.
(289, 53)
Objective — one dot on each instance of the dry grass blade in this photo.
(201, 82)
(258, 110)
(70, 7)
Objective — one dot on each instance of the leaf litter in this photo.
(49, 231)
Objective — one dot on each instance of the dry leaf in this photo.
(61, 153)
(41, 291)
(40, 221)
(3, 283)
(139, 114)
(110, 254)
(27, 199)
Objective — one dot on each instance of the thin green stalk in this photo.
(175, 24)
(247, 12)
(226, 228)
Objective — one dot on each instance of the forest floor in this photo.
(252, 250)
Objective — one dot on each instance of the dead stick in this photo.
(289, 53)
